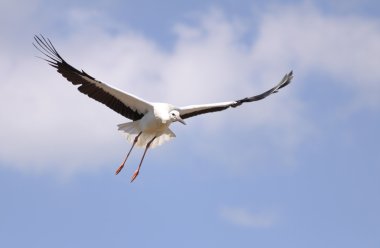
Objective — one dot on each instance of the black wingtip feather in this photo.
(284, 82)
(46, 48)
(87, 83)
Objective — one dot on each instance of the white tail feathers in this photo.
(131, 129)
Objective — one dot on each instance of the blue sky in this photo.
(298, 169)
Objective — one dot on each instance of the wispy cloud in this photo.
(245, 218)
(346, 48)
(49, 125)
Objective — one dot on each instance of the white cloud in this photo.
(344, 47)
(50, 125)
(245, 218)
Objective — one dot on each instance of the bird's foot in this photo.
(119, 169)
(135, 175)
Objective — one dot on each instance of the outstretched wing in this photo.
(128, 105)
(193, 110)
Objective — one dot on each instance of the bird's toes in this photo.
(119, 169)
(135, 174)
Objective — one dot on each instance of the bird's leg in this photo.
(142, 159)
(122, 164)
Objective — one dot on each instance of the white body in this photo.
(155, 123)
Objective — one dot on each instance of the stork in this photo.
(150, 121)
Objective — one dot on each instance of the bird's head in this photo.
(174, 116)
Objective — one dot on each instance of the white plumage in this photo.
(150, 121)
(155, 123)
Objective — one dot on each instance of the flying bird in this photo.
(150, 121)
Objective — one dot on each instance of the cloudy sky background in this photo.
(298, 169)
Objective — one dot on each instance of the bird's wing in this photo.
(128, 105)
(193, 110)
